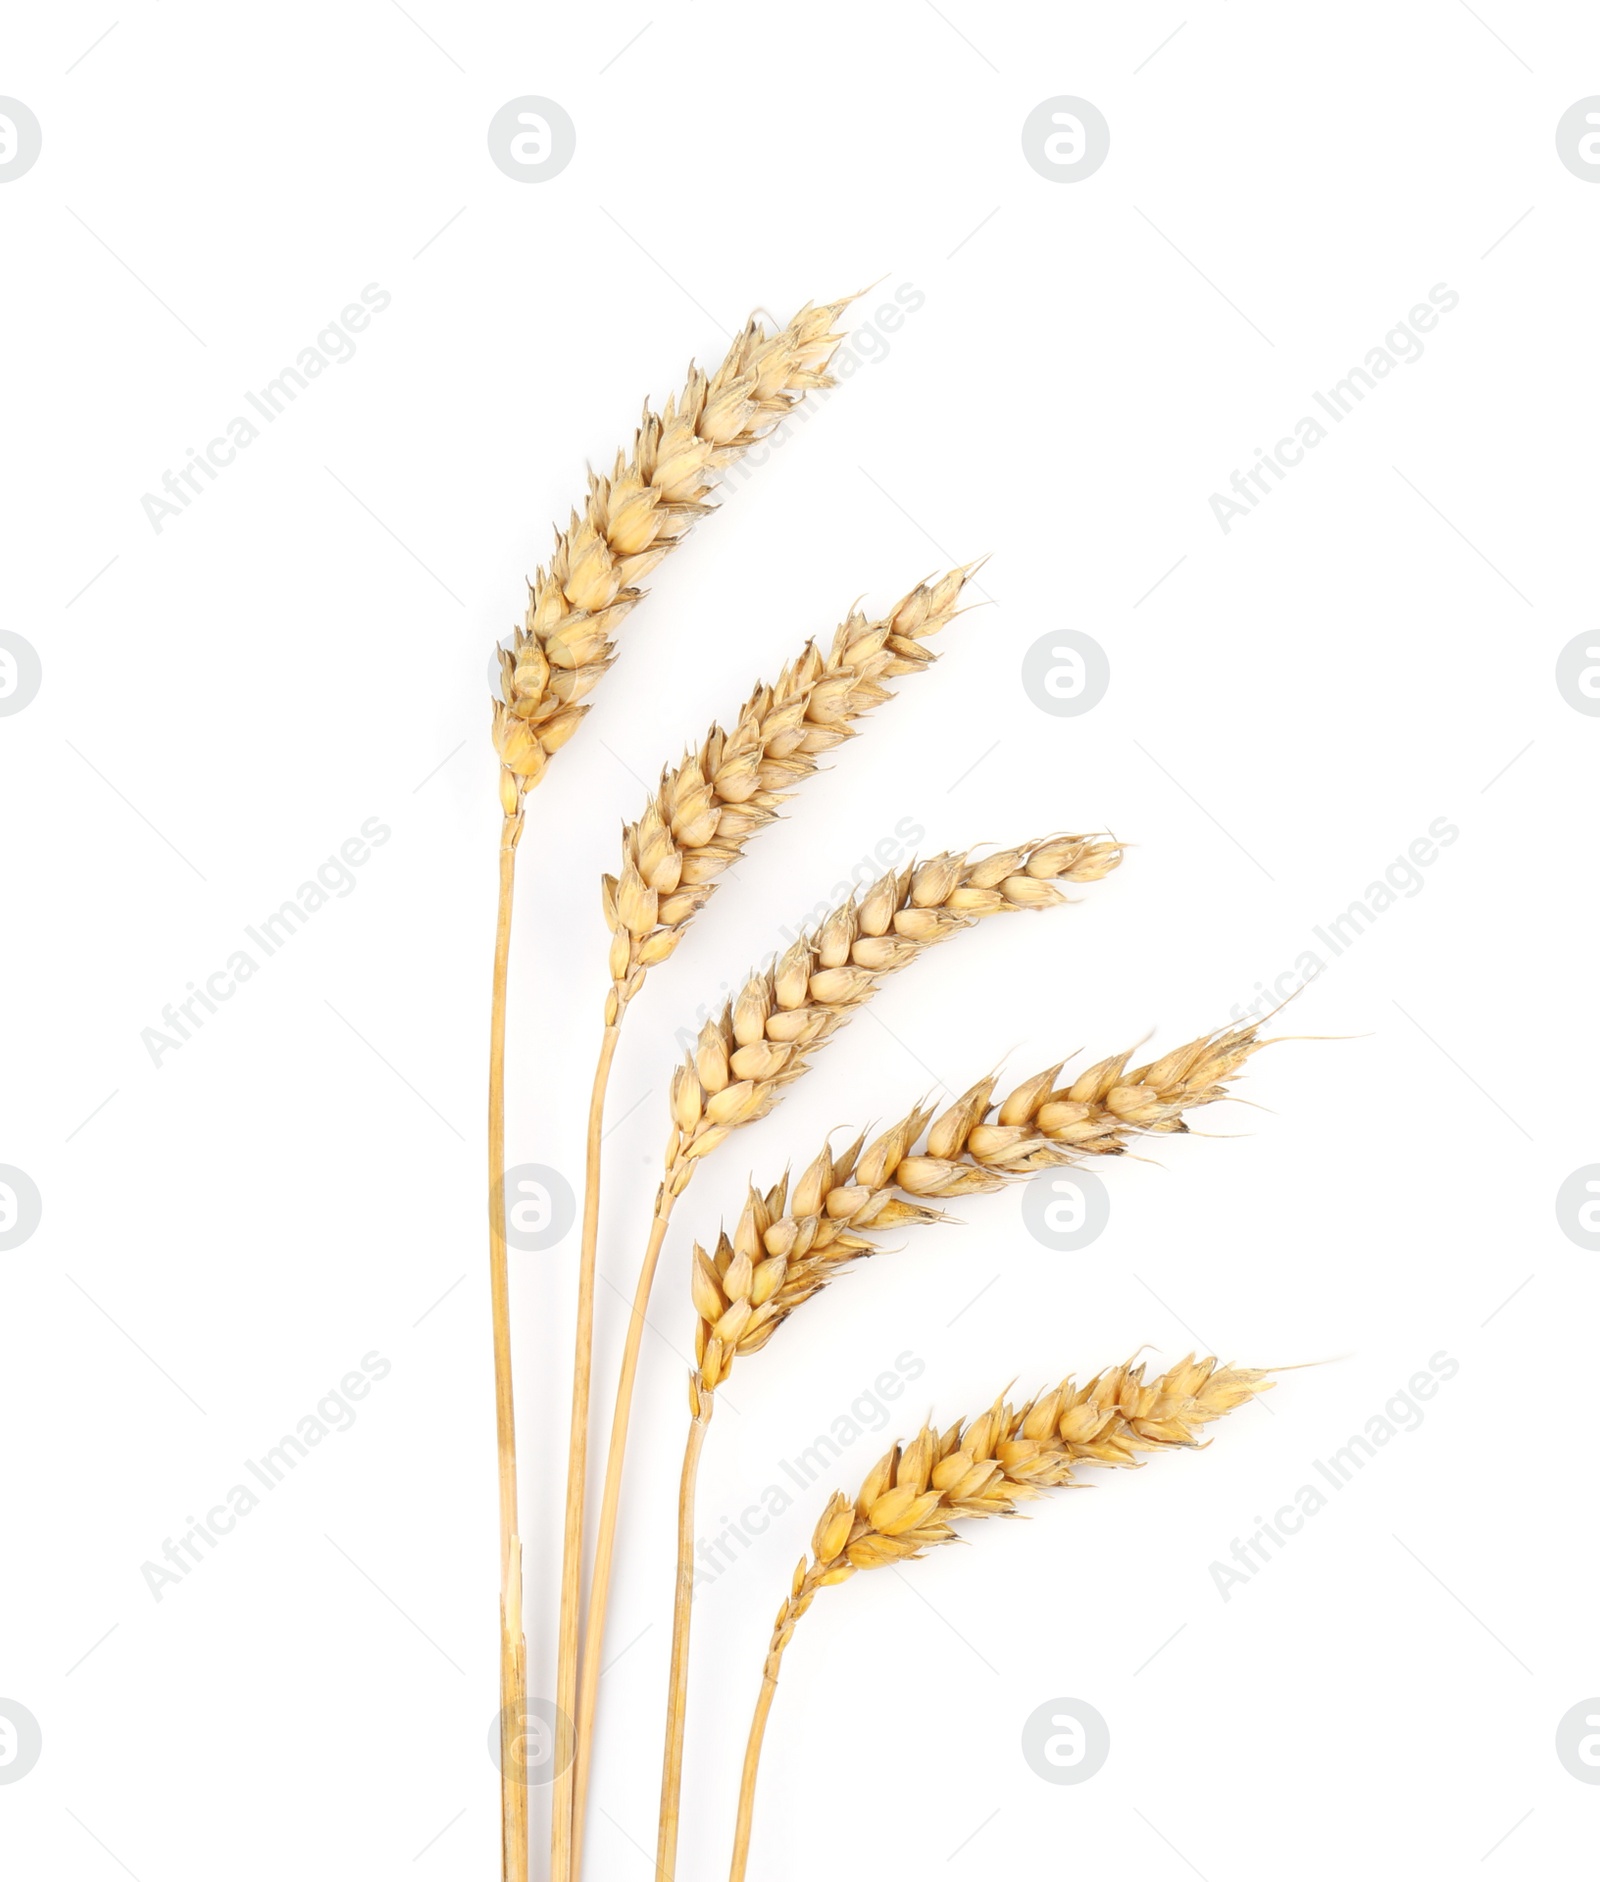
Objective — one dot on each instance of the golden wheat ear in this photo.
(631, 521)
(789, 1244)
(696, 825)
(987, 1466)
(764, 1039)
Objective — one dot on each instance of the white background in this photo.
(1292, 703)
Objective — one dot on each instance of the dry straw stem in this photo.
(764, 1040)
(513, 1644)
(789, 1245)
(694, 827)
(988, 1466)
(631, 519)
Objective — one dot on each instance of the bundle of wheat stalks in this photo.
(791, 1240)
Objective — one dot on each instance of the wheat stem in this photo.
(606, 1531)
(578, 1455)
(513, 1646)
(752, 1763)
(678, 1677)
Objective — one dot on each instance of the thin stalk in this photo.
(513, 1644)
(578, 1458)
(752, 1761)
(606, 1532)
(678, 1678)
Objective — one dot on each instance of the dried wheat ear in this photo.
(763, 1039)
(632, 520)
(708, 807)
(790, 1242)
(987, 1466)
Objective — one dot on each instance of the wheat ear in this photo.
(694, 827)
(764, 1040)
(987, 1466)
(708, 807)
(630, 521)
(787, 1245)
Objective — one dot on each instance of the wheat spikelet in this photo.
(789, 1243)
(987, 1466)
(630, 521)
(706, 809)
(763, 1040)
